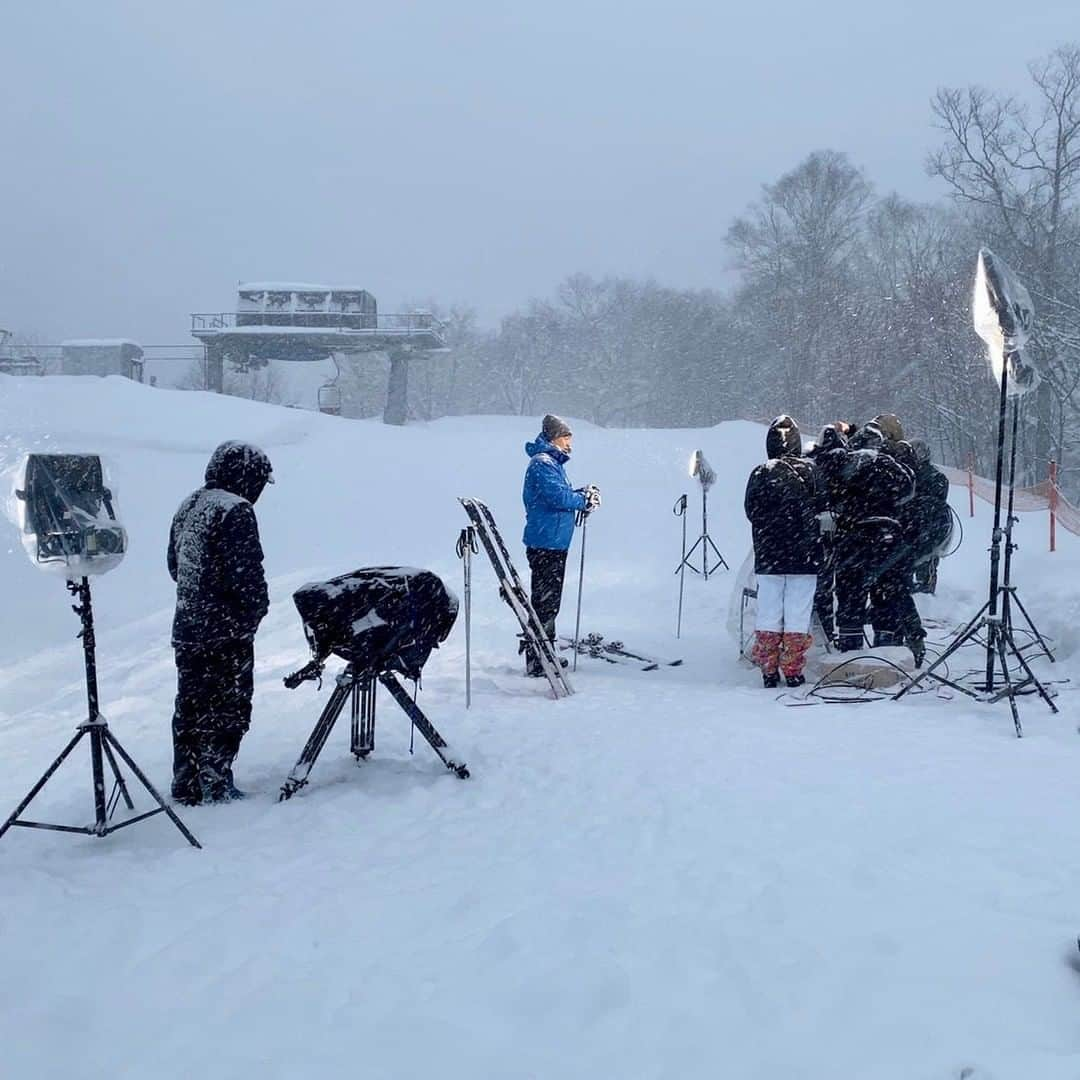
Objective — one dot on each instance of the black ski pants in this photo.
(893, 613)
(214, 686)
(547, 570)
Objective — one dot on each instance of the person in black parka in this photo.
(783, 501)
(927, 519)
(829, 455)
(216, 560)
(871, 554)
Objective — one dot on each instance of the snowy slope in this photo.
(669, 875)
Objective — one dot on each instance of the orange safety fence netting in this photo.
(1045, 495)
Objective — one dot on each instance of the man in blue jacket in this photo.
(551, 505)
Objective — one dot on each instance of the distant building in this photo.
(295, 321)
(17, 359)
(102, 356)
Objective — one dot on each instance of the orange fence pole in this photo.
(1053, 505)
(971, 486)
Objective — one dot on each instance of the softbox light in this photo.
(1003, 315)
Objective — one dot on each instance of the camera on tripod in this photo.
(68, 520)
(381, 620)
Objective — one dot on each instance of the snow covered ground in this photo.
(670, 875)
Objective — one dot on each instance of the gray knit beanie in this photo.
(553, 427)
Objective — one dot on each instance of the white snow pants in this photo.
(785, 602)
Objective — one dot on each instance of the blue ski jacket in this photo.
(550, 501)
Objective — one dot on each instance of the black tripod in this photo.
(102, 744)
(357, 689)
(705, 542)
(994, 621)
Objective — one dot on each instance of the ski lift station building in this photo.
(303, 322)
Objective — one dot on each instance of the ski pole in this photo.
(466, 548)
(583, 520)
(679, 510)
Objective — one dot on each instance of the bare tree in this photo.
(796, 249)
(1016, 167)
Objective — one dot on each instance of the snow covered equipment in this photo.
(1003, 316)
(706, 475)
(67, 515)
(381, 620)
(466, 549)
(104, 747)
(512, 590)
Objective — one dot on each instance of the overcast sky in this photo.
(153, 154)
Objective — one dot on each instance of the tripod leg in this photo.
(997, 640)
(121, 786)
(961, 639)
(686, 559)
(1031, 677)
(109, 738)
(97, 766)
(317, 739)
(354, 722)
(716, 550)
(43, 781)
(1034, 629)
(422, 723)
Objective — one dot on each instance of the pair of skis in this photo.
(513, 592)
(614, 652)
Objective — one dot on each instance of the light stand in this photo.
(997, 625)
(700, 468)
(1009, 595)
(102, 745)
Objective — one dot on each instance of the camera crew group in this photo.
(848, 532)
(877, 494)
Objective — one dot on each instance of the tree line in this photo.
(848, 301)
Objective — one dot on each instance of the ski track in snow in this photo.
(668, 875)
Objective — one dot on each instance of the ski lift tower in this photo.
(287, 321)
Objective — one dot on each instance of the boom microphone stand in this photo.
(102, 744)
(700, 468)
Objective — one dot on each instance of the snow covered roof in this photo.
(295, 286)
(98, 343)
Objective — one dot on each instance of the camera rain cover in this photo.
(67, 515)
(1004, 315)
(382, 618)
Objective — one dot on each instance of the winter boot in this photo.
(884, 639)
(917, 645)
(770, 679)
(793, 650)
(795, 680)
(849, 639)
